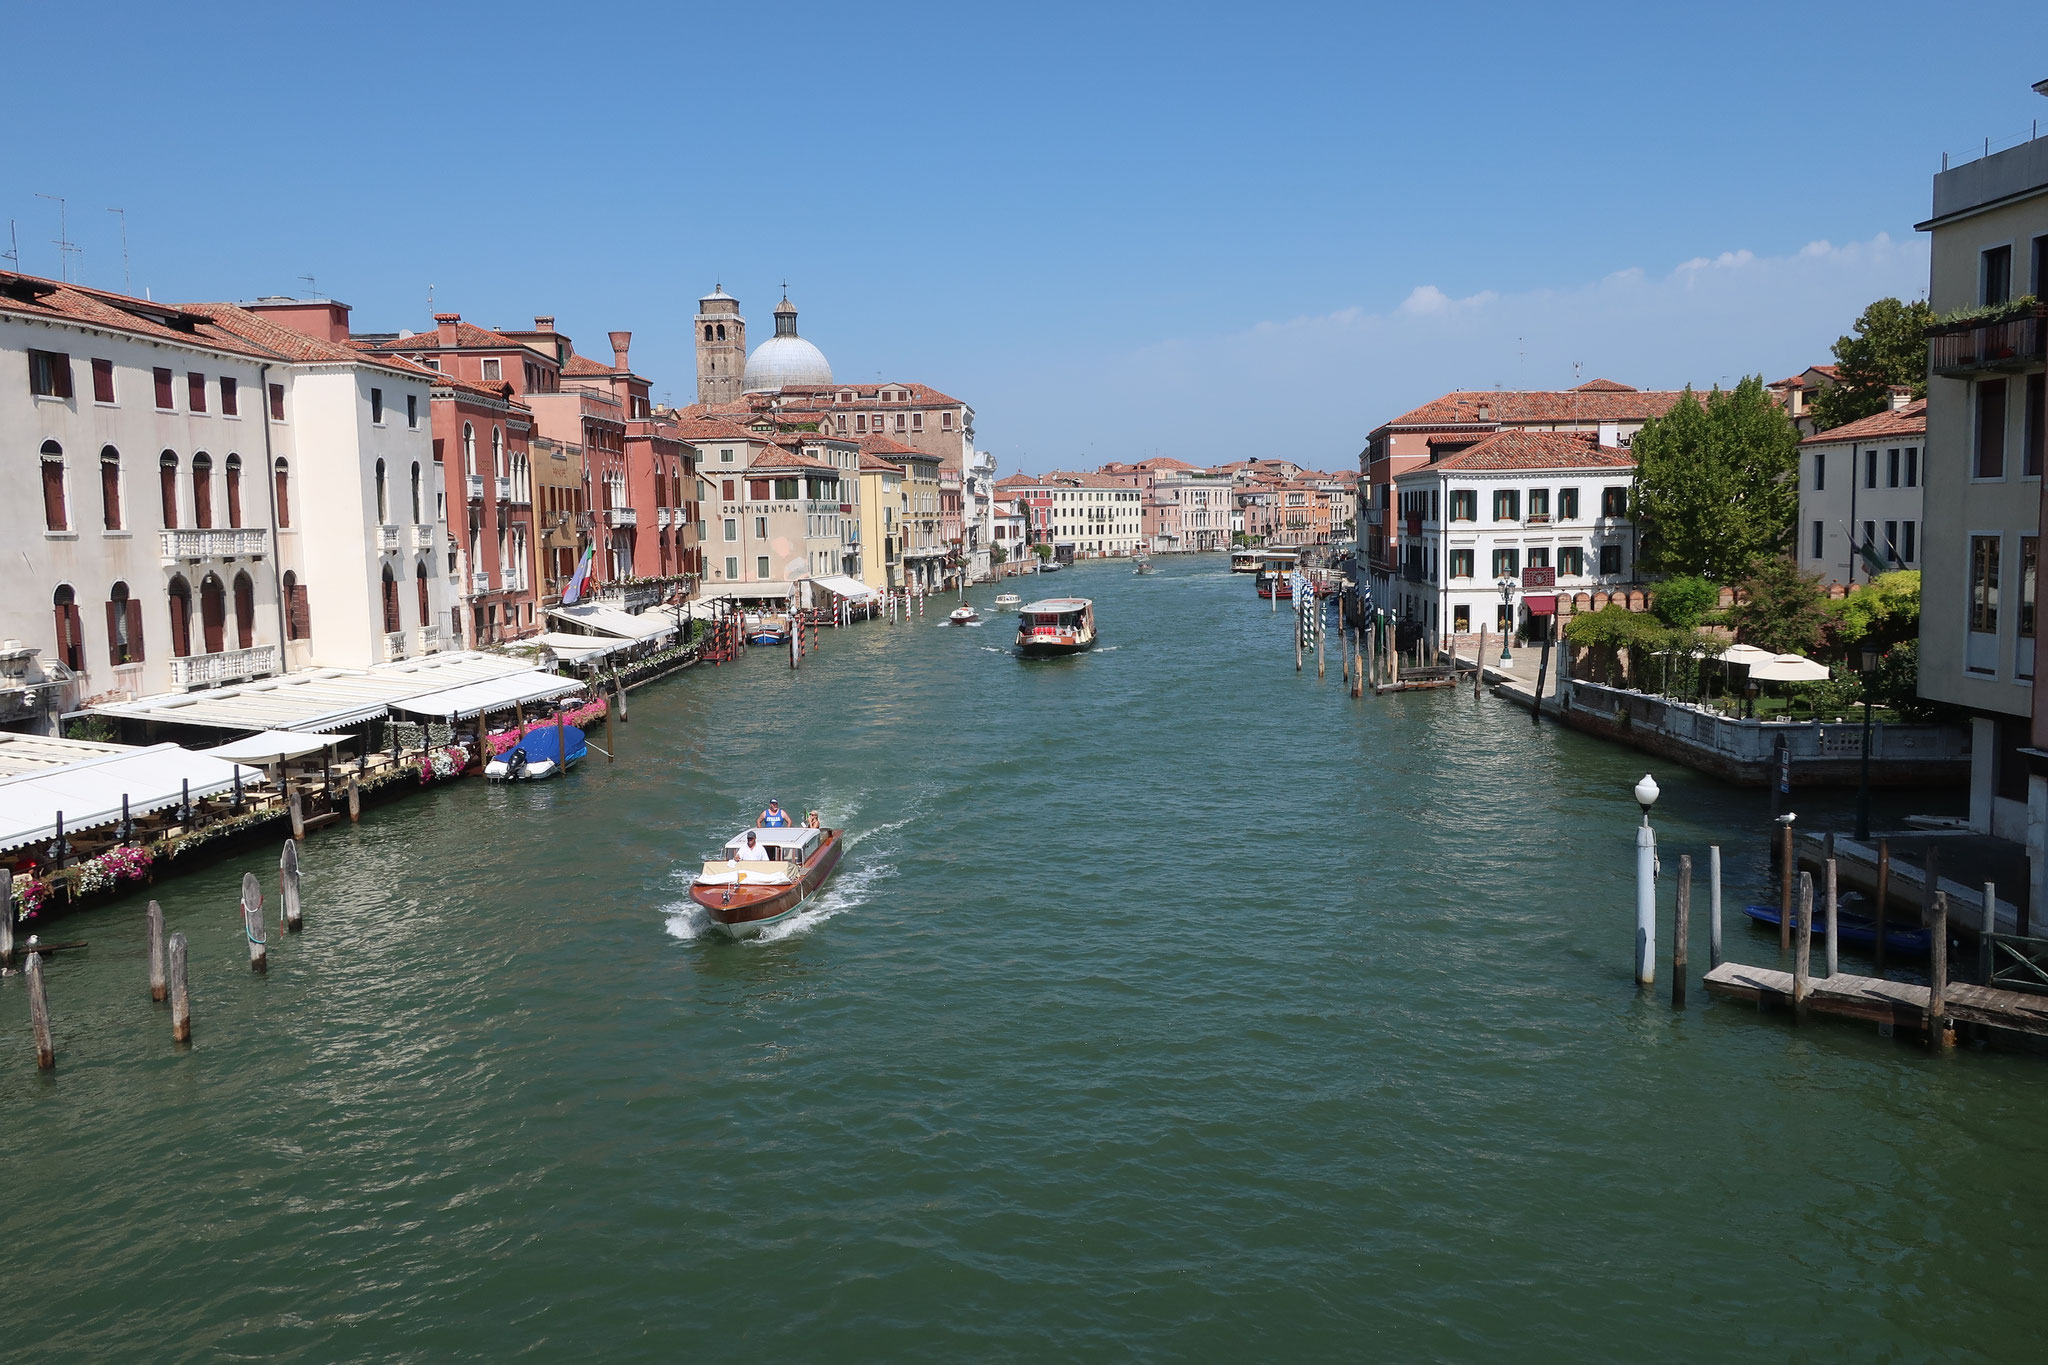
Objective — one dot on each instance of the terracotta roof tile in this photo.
(289, 344)
(1516, 449)
(882, 445)
(467, 336)
(871, 464)
(1910, 420)
(32, 296)
(1479, 407)
(693, 428)
(584, 365)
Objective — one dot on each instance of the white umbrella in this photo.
(1789, 668)
(1745, 654)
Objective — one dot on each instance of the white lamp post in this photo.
(1646, 885)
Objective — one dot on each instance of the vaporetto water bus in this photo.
(1057, 625)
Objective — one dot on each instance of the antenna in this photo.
(1576, 364)
(13, 253)
(127, 281)
(312, 286)
(62, 241)
(430, 298)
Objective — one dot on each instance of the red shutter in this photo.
(114, 633)
(234, 495)
(110, 494)
(181, 626)
(103, 381)
(390, 606)
(245, 612)
(53, 495)
(284, 500)
(213, 617)
(425, 613)
(163, 390)
(302, 613)
(195, 391)
(167, 475)
(228, 403)
(202, 498)
(277, 402)
(134, 631)
(728, 490)
(69, 647)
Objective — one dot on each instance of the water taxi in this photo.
(1058, 625)
(1276, 568)
(1008, 601)
(963, 615)
(743, 896)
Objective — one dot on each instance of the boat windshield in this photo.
(783, 845)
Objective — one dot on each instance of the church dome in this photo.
(785, 359)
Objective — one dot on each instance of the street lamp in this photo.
(1869, 661)
(1646, 885)
(1507, 625)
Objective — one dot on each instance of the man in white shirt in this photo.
(752, 851)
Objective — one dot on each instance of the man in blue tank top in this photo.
(774, 817)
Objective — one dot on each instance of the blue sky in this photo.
(1115, 230)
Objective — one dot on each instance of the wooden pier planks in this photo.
(1884, 1002)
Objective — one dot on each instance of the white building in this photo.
(215, 497)
(1859, 485)
(1095, 514)
(977, 511)
(1193, 510)
(1510, 501)
(1009, 523)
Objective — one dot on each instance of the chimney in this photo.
(444, 329)
(544, 324)
(620, 341)
(1610, 434)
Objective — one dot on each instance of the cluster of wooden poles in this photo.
(167, 956)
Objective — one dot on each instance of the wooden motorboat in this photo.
(1008, 601)
(534, 756)
(1276, 572)
(1142, 566)
(1058, 625)
(1273, 584)
(963, 615)
(744, 896)
(1855, 929)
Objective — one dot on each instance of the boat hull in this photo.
(1050, 649)
(744, 912)
(1856, 931)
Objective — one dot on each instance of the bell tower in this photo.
(721, 347)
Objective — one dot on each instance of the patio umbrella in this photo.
(1788, 668)
(1745, 654)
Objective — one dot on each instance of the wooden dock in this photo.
(1896, 1004)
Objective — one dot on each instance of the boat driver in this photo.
(752, 851)
(773, 818)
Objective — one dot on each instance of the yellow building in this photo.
(883, 503)
(921, 542)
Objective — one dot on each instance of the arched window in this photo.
(391, 623)
(418, 508)
(70, 637)
(234, 469)
(124, 627)
(298, 615)
(498, 452)
(213, 614)
(468, 448)
(383, 497)
(54, 517)
(284, 495)
(181, 616)
(420, 579)
(245, 612)
(721, 331)
(110, 488)
(202, 490)
(167, 480)
(707, 331)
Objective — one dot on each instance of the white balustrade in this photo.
(246, 542)
(204, 670)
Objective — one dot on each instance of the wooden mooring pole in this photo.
(1784, 883)
(288, 908)
(1984, 934)
(1833, 955)
(1802, 960)
(181, 995)
(252, 924)
(1938, 1031)
(1319, 643)
(155, 922)
(1681, 928)
(1884, 889)
(1479, 662)
(39, 1013)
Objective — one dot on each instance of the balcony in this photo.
(248, 542)
(229, 665)
(480, 581)
(1537, 519)
(476, 487)
(387, 538)
(394, 644)
(1960, 349)
(504, 489)
(617, 517)
(429, 639)
(661, 518)
(423, 537)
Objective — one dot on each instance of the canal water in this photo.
(1168, 1004)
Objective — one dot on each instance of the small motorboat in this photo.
(1058, 625)
(534, 756)
(743, 896)
(767, 630)
(1854, 928)
(1008, 601)
(1049, 566)
(1142, 566)
(963, 615)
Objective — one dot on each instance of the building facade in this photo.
(1859, 495)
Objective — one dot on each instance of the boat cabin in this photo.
(1054, 616)
(787, 851)
(1245, 561)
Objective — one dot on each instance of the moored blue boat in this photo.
(1855, 929)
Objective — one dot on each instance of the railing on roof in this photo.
(1949, 160)
(1961, 348)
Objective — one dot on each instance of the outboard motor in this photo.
(515, 766)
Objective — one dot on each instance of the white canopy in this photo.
(318, 699)
(840, 584)
(748, 590)
(270, 746)
(89, 794)
(1745, 654)
(577, 649)
(1788, 668)
(498, 694)
(607, 620)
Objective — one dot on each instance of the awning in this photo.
(578, 649)
(88, 794)
(319, 699)
(605, 620)
(499, 694)
(843, 586)
(745, 591)
(270, 746)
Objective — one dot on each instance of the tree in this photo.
(1715, 483)
(1881, 613)
(1684, 602)
(1889, 346)
(997, 554)
(1779, 608)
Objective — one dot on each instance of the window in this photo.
(230, 398)
(1891, 542)
(1869, 537)
(1990, 429)
(1539, 556)
(1610, 560)
(899, 421)
(946, 421)
(202, 493)
(1461, 620)
(418, 508)
(1613, 502)
(1508, 562)
(54, 518)
(245, 612)
(1507, 505)
(1461, 564)
(213, 614)
(1571, 560)
(1912, 467)
(179, 595)
(419, 579)
(1984, 584)
(298, 614)
(760, 528)
(167, 484)
(70, 632)
(277, 402)
(383, 504)
(1819, 530)
(1567, 504)
(110, 488)
(164, 401)
(284, 496)
(1996, 275)
(103, 381)
(493, 371)
(732, 528)
(1870, 467)
(1891, 468)
(725, 457)
(124, 627)
(727, 487)
(761, 568)
(195, 391)
(1539, 504)
(468, 448)
(234, 470)
(2030, 425)
(389, 593)
(2040, 267)
(2029, 563)
(917, 421)
(49, 374)
(497, 452)
(377, 407)
(1907, 550)
(732, 567)
(412, 412)
(1464, 504)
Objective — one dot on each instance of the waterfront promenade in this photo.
(1170, 1004)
